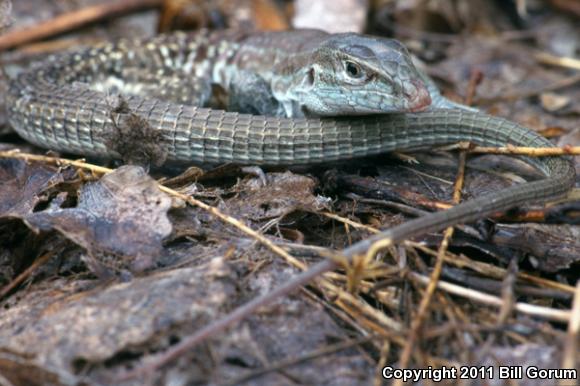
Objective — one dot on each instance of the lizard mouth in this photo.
(418, 96)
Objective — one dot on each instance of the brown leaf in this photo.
(21, 370)
(284, 193)
(331, 16)
(66, 328)
(22, 186)
(553, 247)
(124, 214)
(553, 102)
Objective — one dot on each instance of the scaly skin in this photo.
(47, 109)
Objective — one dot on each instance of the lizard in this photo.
(304, 72)
(50, 106)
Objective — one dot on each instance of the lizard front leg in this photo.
(250, 93)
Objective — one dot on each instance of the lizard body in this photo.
(306, 72)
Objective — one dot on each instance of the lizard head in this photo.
(358, 74)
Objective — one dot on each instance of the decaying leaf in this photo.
(552, 247)
(22, 370)
(71, 328)
(123, 214)
(80, 331)
(283, 193)
(331, 16)
(23, 185)
(553, 102)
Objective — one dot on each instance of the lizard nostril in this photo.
(311, 77)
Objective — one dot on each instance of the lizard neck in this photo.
(284, 60)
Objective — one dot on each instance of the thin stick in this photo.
(28, 271)
(303, 358)
(480, 297)
(570, 358)
(72, 20)
(563, 83)
(561, 61)
(529, 151)
(417, 323)
(515, 150)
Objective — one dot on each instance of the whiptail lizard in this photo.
(301, 73)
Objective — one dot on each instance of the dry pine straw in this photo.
(374, 321)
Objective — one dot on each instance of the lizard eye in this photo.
(353, 70)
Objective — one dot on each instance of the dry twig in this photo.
(417, 323)
(72, 20)
(570, 358)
